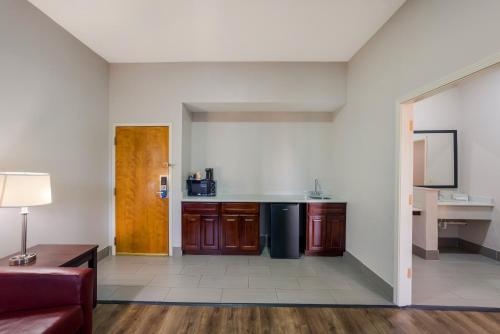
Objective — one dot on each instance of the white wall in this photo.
(53, 111)
(480, 163)
(423, 42)
(147, 93)
(263, 157)
(439, 112)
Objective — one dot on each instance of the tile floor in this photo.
(236, 279)
(456, 280)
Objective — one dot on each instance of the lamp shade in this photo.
(24, 189)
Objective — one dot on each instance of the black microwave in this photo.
(201, 188)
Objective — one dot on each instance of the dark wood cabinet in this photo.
(240, 228)
(191, 232)
(326, 229)
(230, 236)
(234, 231)
(317, 232)
(249, 232)
(200, 228)
(209, 232)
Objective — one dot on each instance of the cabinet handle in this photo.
(248, 219)
(231, 220)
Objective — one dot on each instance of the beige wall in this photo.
(423, 42)
(53, 111)
(280, 157)
(149, 93)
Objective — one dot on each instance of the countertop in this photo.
(261, 198)
(465, 203)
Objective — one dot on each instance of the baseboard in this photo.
(176, 251)
(448, 242)
(469, 247)
(386, 288)
(106, 251)
(425, 254)
(475, 248)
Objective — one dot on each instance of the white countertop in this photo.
(261, 198)
(465, 203)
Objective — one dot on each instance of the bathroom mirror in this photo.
(435, 159)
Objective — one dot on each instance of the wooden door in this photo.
(209, 233)
(191, 232)
(249, 232)
(335, 231)
(316, 230)
(141, 213)
(230, 239)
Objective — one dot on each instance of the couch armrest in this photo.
(35, 288)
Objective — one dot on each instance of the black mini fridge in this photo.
(285, 231)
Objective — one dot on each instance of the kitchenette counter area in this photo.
(262, 198)
(289, 225)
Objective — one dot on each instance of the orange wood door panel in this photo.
(141, 215)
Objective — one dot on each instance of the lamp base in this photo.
(22, 259)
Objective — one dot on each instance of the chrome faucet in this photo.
(317, 187)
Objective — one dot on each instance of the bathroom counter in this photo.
(466, 203)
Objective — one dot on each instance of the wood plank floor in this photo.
(139, 318)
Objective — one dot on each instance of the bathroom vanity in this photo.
(438, 211)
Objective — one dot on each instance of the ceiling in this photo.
(123, 31)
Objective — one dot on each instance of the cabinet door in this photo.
(316, 233)
(190, 232)
(209, 232)
(335, 233)
(230, 239)
(249, 232)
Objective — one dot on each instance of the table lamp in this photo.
(22, 190)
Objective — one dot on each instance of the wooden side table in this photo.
(63, 256)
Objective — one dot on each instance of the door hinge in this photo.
(408, 273)
(114, 140)
(114, 191)
(115, 241)
(410, 199)
(410, 126)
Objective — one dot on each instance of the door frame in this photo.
(404, 175)
(112, 214)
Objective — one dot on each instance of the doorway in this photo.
(406, 151)
(142, 190)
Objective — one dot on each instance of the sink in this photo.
(317, 193)
(319, 197)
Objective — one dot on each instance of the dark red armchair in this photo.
(46, 300)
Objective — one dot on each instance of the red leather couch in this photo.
(46, 300)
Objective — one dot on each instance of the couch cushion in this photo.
(67, 319)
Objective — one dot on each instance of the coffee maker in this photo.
(209, 174)
(205, 187)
